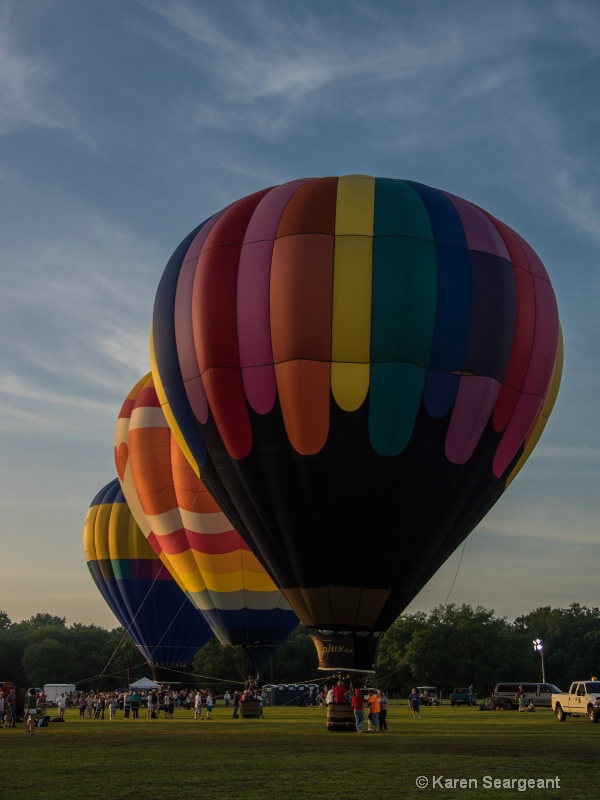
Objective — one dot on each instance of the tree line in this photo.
(452, 645)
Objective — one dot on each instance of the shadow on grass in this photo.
(291, 754)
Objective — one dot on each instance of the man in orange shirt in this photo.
(374, 708)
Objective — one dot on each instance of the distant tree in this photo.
(465, 645)
(8, 662)
(216, 663)
(295, 661)
(101, 656)
(120, 658)
(13, 641)
(48, 661)
(46, 620)
(109, 658)
(394, 674)
(571, 640)
(451, 646)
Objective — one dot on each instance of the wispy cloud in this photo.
(25, 81)
(579, 196)
(581, 21)
(12, 385)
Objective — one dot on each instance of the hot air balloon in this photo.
(164, 625)
(193, 537)
(357, 367)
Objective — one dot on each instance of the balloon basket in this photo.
(340, 717)
(250, 709)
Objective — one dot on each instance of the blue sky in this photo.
(124, 123)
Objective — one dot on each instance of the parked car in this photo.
(540, 693)
(582, 699)
(463, 697)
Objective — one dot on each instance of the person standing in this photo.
(414, 701)
(152, 703)
(9, 710)
(30, 711)
(227, 698)
(520, 698)
(209, 704)
(61, 704)
(170, 704)
(383, 704)
(236, 704)
(112, 706)
(339, 693)
(135, 705)
(358, 704)
(127, 705)
(198, 705)
(374, 708)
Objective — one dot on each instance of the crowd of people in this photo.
(368, 705)
(153, 703)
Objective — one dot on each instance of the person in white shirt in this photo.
(61, 703)
(198, 705)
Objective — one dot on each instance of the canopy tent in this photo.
(144, 683)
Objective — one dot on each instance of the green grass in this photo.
(291, 754)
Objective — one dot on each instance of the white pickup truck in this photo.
(582, 700)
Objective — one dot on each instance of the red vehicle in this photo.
(7, 687)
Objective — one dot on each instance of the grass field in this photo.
(291, 754)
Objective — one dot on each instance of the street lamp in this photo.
(539, 648)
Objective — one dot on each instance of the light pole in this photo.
(538, 647)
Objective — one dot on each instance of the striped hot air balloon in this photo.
(164, 625)
(192, 535)
(358, 366)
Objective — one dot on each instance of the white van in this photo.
(54, 691)
(540, 693)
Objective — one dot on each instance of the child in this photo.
(522, 703)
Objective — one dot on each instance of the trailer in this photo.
(53, 691)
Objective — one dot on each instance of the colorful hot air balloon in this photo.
(358, 366)
(193, 537)
(164, 625)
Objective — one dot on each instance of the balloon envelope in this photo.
(358, 366)
(163, 624)
(192, 535)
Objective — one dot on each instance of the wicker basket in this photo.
(340, 717)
